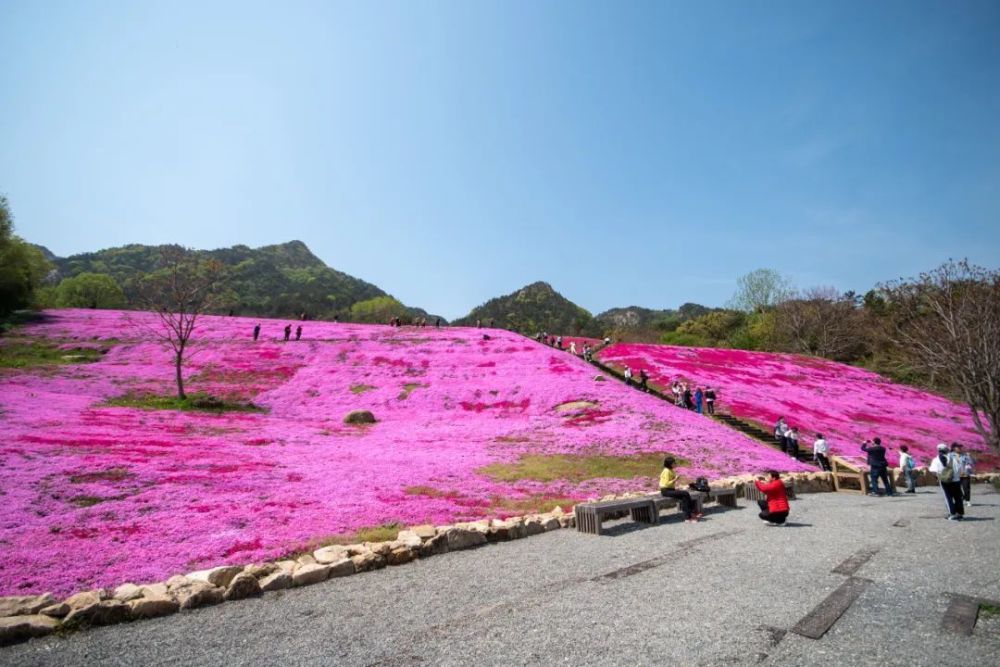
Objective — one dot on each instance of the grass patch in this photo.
(430, 492)
(382, 533)
(408, 389)
(573, 406)
(109, 475)
(986, 609)
(26, 353)
(197, 402)
(359, 389)
(577, 468)
(90, 501)
(536, 504)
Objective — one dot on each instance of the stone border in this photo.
(24, 617)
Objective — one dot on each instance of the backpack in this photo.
(700, 484)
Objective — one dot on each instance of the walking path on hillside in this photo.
(728, 590)
(748, 429)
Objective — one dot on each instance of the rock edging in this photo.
(25, 617)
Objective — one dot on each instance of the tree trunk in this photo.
(178, 363)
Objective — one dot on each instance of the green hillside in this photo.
(534, 308)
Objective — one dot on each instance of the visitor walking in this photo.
(878, 466)
(965, 465)
(699, 397)
(298, 332)
(572, 347)
(710, 400)
(643, 379)
(688, 401)
(907, 467)
(780, 431)
(256, 333)
(668, 483)
(792, 442)
(288, 331)
(774, 506)
(947, 468)
(628, 376)
(821, 452)
(675, 389)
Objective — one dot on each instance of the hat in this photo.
(942, 447)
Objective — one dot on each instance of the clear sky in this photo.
(627, 153)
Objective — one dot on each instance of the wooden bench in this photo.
(590, 515)
(750, 491)
(726, 497)
(663, 502)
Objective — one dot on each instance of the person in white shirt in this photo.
(821, 452)
(965, 464)
(907, 466)
(572, 347)
(628, 376)
(947, 467)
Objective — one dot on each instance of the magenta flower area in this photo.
(846, 404)
(96, 495)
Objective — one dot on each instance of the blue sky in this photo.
(627, 153)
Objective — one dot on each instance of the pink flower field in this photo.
(96, 495)
(845, 403)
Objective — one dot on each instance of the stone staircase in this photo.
(758, 433)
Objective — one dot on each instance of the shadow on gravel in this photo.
(792, 524)
(977, 518)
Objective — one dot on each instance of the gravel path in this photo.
(724, 591)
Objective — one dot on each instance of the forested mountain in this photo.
(283, 280)
(532, 309)
(637, 323)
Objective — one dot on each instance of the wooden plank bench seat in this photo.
(663, 502)
(750, 491)
(726, 497)
(590, 515)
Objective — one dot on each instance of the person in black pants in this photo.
(256, 332)
(879, 466)
(668, 483)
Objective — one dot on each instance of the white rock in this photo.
(342, 568)
(331, 554)
(127, 592)
(310, 574)
(23, 605)
(276, 581)
(409, 538)
(461, 538)
(153, 606)
(217, 576)
(243, 585)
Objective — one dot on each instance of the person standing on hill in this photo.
(688, 401)
(878, 466)
(699, 397)
(821, 452)
(780, 431)
(256, 333)
(572, 347)
(792, 442)
(628, 376)
(947, 466)
(965, 464)
(298, 332)
(774, 508)
(668, 484)
(288, 331)
(907, 466)
(710, 400)
(643, 379)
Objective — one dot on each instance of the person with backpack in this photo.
(947, 467)
(965, 464)
(908, 468)
(774, 508)
(668, 484)
(878, 466)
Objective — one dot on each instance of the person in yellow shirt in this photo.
(668, 482)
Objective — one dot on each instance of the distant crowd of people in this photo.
(287, 331)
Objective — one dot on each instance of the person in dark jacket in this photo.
(773, 510)
(298, 333)
(256, 332)
(878, 465)
(288, 331)
(710, 400)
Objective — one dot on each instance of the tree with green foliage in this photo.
(90, 290)
(185, 287)
(760, 290)
(22, 266)
(377, 310)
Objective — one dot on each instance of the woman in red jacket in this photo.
(774, 510)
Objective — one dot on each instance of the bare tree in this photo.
(821, 322)
(760, 290)
(179, 292)
(947, 324)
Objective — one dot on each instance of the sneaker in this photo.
(910, 491)
(698, 515)
(953, 517)
(691, 520)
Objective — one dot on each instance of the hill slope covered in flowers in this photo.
(845, 403)
(96, 494)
